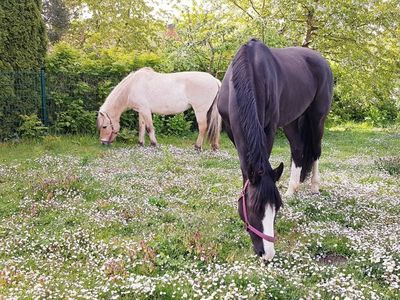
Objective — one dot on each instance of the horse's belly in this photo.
(169, 106)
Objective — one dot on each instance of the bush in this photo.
(76, 119)
(79, 80)
(172, 125)
(178, 125)
(127, 135)
(90, 75)
(31, 127)
(382, 113)
(129, 120)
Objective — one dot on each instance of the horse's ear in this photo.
(98, 125)
(278, 172)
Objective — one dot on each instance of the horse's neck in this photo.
(117, 102)
(114, 108)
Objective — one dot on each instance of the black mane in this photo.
(249, 89)
(245, 84)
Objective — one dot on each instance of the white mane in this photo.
(119, 94)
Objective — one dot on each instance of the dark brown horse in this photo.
(264, 89)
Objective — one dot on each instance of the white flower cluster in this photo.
(162, 222)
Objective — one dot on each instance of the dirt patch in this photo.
(332, 259)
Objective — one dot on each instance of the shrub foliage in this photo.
(22, 48)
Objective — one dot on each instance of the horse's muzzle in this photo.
(268, 256)
(105, 143)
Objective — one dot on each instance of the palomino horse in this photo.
(264, 89)
(147, 92)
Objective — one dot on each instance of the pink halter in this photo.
(246, 220)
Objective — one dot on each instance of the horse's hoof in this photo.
(141, 144)
(314, 189)
(152, 144)
(215, 147)
(197, 148)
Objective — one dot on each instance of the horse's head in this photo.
(108, 128)
(258, 207)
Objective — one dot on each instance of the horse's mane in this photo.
(259, 170)
(147, 68)
(243, 81)
(121, 90)
(266, 192)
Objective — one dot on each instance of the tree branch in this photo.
(254, 8)
(242, 9)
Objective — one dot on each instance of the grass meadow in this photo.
(82, 221)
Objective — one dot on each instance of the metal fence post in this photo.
(45, 117)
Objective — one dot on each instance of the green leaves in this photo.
(75, 119)
(31, 127)
(22, 32)
(172, 125)
(109, 23)
(358, 38)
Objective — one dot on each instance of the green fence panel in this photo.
(19, 95)
(48, 94)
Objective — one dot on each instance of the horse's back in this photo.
(298, 60)
(296, 76)
(199, 88)
(171, 93)
(304, 75)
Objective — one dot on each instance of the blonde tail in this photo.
(214, 122)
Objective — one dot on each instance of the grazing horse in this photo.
(147, 92)
(264, 89)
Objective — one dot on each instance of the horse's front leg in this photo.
(148, 121)
(296, 148)
(294, 180)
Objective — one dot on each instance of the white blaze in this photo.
(268, 229)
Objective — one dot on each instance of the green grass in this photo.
(83, 220)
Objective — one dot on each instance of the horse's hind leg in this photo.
(317, 124)
(202, 124)
(142, 129)
(317, 113)
(305, 145)
(292, 133)
(315, 178)
(149, 126)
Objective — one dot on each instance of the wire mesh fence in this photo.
(48, 95)
(19, 95)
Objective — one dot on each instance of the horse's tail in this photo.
(214, 121)
(246, 97)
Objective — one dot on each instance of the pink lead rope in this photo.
(246, 220)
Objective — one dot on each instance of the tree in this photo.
(358, 37)
(126, 24)
(23, 35)
(208, 37)
(22, 47)
(56, 16)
